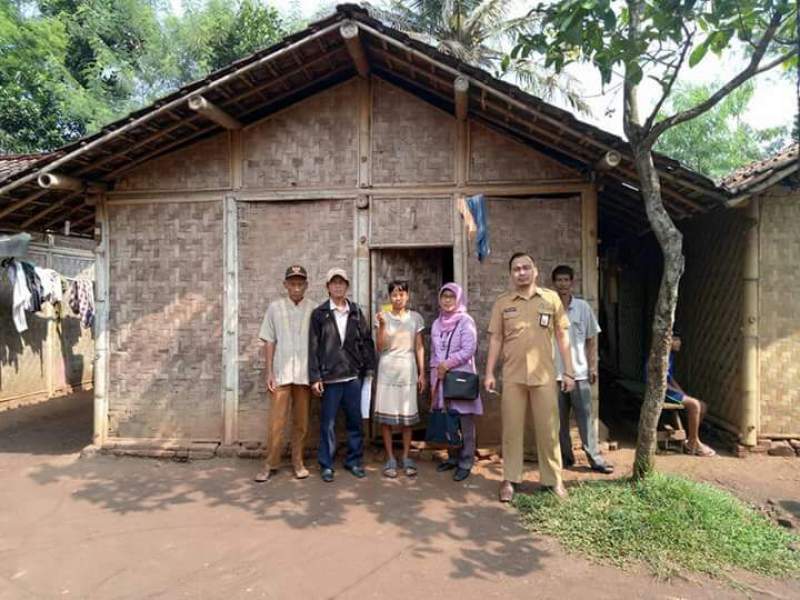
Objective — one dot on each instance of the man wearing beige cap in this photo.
(340, 353)
(285, 333)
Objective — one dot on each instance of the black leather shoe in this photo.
(327, 475)
(445, 466)
(604, 468)
(460, 474)
(357, 471)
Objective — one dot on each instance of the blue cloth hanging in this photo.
(477, 206)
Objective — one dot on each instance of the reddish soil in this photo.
(106, 527)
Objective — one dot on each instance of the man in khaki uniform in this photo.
(523, 323)
(285, 333)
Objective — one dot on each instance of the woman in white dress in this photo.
(401, 375)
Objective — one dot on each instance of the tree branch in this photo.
(749, 71)
(667, 89)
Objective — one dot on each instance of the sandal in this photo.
(410, 467)
(699, 450)
(390, 468)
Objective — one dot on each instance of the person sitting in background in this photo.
(695, 409)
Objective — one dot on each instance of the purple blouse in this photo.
(461, 358)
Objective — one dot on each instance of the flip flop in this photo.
(700, 450)
(409, 467)
(390, 468)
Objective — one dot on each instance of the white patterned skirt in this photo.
(396, 390)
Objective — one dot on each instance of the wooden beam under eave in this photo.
(213, 112)
(461, 92)
(20, 203)
(53, 207)
(349, 32)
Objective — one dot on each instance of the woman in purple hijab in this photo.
(456, 328)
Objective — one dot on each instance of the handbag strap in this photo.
(450, 339)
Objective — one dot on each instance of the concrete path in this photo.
(115, 528)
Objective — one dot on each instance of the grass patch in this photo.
(668, 523)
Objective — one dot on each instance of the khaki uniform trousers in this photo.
(543, 400)
(299, 397)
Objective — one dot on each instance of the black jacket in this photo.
(327, 358)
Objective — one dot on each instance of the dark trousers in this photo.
(464, 457)
(578, 400)
(346, 395)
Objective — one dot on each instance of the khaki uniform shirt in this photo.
(287, 324)
(527, 327)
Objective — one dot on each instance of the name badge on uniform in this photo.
(511, 311)
(544, 319)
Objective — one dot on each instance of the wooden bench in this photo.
(667, 433)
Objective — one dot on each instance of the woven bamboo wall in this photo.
(204, 165)
(44, 361)
(395, 221)
(494, 157)
(548, 229)
(779, 307)
(709, 313)
(313, 143)
(272, 236)
(166, 321)
(412, 142)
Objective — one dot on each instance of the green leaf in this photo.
(698, 54)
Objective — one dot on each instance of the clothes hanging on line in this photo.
(81, 300)
(20, 296)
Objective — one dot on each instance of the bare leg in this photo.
(693, 410)
(386, 432)
(406, 442)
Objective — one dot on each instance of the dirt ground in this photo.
(114, 528)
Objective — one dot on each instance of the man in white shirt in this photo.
(583, 331)
(285, 333)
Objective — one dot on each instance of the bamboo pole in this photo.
(749, 370)
(212, 112)
(461, 100)
(230, 343)
(349, 32)
(56, 181)
(101, 333)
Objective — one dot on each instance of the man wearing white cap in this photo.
(340, 353)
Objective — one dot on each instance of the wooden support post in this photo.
(236, 158)
(460, 247)
(589, 277)
(230, 339)
(461, 90)
(364, 133)
(212, 112)
(750, 331)
(101, 334)
(349, 32)
(361, 268)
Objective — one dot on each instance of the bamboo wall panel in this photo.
(165, 322)
(494, 157)
(313, 143)
(204, 165)
(550, 231)
(412, 142)
(411, 221)
(779, 307)
(709, 312)
(273, 236)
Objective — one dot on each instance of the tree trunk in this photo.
(671, 242)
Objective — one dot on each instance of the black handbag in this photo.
(444, 427)
(460, 385)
